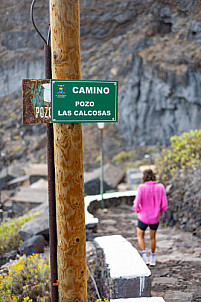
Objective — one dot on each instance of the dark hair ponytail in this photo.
(148, 175)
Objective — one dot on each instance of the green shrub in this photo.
(152, 149)
(132, 153)
(9, 238)
(120, 157)
(123, 156)
(98, 159)
(28, 280)
(184, 152)
(138, 163)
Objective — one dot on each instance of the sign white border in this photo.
(85, 121)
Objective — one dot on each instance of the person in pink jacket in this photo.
(149, 203)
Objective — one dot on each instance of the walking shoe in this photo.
(146, 261)
(152, 259)
(144, 257)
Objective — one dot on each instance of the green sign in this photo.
(77, 101)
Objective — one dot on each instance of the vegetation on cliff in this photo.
(9, 238)
(183, 153)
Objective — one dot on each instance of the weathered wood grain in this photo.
(66, 64)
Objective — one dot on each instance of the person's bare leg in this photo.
(153, 246)
(140, 237)
(141, 242)
(152, 240)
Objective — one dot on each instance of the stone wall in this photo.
(184, 202)
(120, 270)
(110, 202)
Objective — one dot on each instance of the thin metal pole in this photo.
(7, 177)
(102, 171)
(51, 173)
(51, 191)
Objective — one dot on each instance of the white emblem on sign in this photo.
(47, 93)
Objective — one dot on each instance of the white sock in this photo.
(144, 255)
(152, 257)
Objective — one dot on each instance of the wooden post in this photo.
(69, 176)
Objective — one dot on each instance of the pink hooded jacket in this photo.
(150, 202)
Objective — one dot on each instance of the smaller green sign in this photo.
(77, 101)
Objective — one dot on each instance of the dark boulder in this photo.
(33, 245)
(37, 226)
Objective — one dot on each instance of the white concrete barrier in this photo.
(93, 202)
(150, 299)
(89, 218)
(122, 272)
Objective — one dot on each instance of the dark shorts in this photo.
(143, 226)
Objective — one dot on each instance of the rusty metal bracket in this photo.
(57, 283)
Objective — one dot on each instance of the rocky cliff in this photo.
(151, 47)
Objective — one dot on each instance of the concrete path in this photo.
(177, 274)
